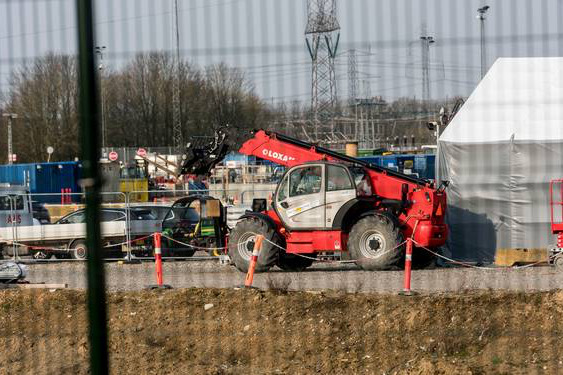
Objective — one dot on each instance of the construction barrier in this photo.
(253, 260)
(158, 259)
(158, 263)
(408, 267)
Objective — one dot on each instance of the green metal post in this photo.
(89, 123)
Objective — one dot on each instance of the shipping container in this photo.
(45, 178)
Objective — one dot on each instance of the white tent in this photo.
(499, 154)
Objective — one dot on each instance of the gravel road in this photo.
(322, 276)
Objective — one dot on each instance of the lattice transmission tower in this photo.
(322, 35)
(176, 112)
(353, 82)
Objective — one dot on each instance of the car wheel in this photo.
(79, 250)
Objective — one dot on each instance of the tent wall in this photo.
(499, 195)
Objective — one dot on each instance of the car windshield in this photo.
(142, 215)
(190, 214)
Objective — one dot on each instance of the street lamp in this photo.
(10, 117)
(435, 126)
(100, 52)
(481, 16)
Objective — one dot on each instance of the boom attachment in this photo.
(200, 157)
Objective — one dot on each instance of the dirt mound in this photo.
(297, 333)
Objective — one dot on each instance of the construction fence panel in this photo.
(51, 227)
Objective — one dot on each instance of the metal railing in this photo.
(34, 225)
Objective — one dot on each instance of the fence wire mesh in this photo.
(478, 84)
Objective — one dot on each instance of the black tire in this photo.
(41, 254)
(175, 252)
(241, 243)
(294, 263)
(79, 250)
(422, 259)
(372, 243)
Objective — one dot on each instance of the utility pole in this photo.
(10, 117)
(481, 12)
(322, 35)
(100, 52)
(176, 115)
(427, 40)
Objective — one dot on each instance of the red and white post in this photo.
(408, 267)
(253, 260)
(158, 263)
(158, 258)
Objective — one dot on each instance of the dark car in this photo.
(108, 214)
(186, 231)
(40, 212)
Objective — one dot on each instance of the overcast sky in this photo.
(266, 38)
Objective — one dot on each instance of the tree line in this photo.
(138, 107)
(137, 104)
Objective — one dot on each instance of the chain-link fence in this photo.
(102, 83)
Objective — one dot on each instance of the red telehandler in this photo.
(328, 202)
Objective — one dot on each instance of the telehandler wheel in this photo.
(241, 244)
(79, 250)
(294, 263)
(373, 243)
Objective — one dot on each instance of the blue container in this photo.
(390, 162)
(425, 166)
(45, 178)
(237, 157)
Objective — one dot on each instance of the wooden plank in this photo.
(33, 286)
(512, 257)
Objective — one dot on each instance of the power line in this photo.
(133, 18)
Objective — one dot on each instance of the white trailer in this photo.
(61, 239)
(20, 234)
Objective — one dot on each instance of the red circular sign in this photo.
(142, 152)
(113, 156)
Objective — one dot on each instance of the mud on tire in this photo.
(241, 244)
(372, 243)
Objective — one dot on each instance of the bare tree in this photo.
(44, 95)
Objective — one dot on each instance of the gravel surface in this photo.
(322, 276)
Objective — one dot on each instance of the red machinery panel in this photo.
(556, 200)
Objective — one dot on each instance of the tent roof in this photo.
(519, 98)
